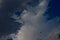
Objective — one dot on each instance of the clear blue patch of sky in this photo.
(54, 10)
(18, 13)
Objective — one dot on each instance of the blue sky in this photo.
(54, 9)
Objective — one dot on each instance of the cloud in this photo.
(54, 34)
(7, 24)
(35, 26)
(7, 10)
(1, 3)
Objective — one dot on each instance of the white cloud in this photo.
(33, 23)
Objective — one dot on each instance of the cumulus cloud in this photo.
(35, 26)
(8, 9)
(7, 24)
(34, 23)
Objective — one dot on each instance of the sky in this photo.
(53, 10)
(29, 20)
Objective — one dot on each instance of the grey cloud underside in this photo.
(8, 7)
(7, 24)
